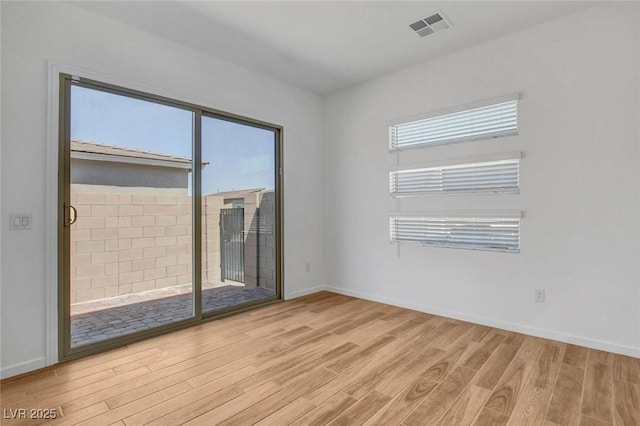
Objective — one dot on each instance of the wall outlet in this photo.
(539, 296)
(307, 267)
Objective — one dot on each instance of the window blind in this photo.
(501, 176)
(492, 234)
(488, 121)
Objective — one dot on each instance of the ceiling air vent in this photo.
(431, 24)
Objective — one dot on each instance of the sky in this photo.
(239, 156)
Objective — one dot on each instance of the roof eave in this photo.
(131, 160)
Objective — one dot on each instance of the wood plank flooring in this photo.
(328, 359)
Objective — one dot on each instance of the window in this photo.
(489, 119)
(475, 233)
(499, 176)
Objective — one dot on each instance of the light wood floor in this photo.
(332, 359)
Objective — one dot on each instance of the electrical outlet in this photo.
(307, 267)
(539, 296)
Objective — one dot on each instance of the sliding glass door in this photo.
(130, 190)
(169, 215)
(238, 214)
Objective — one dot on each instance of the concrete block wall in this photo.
(211, 206)
(267, 240)
(251, 230)
(128, 243)
(259, 243)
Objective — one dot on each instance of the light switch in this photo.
(19, 221)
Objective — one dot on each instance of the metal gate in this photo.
(232, 244)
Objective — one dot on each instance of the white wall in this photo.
(35, 33)
(580, 239)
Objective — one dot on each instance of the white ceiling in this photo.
(324, 46)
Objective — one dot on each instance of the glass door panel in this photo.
(131, 191)
(239, 236)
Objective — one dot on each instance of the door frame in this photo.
(61, 79)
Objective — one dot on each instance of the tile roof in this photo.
(98, 148)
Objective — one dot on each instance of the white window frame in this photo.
(443, 223)
(397, 125)
(434, 179)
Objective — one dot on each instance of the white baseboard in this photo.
(304, 292)
(23, 367)
(490, 322)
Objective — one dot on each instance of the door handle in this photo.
(68, 219)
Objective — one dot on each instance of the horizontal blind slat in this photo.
(459, 171)
(409, 180)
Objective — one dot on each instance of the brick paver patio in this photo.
(91, 327)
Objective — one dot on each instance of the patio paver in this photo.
(104, 324)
